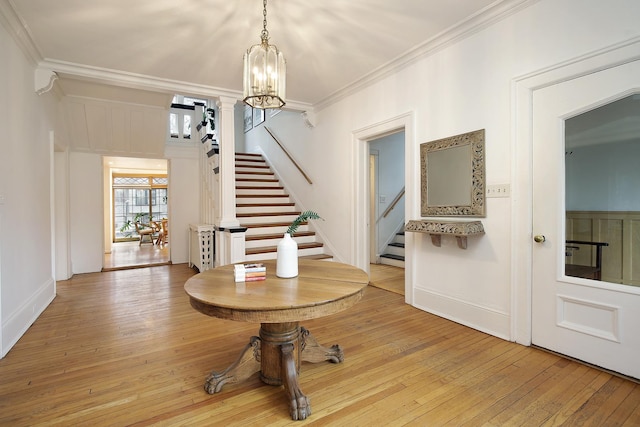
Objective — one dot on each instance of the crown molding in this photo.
(44, 80)
(133, 80)
(146, 82)
(19, 31)
(484, 18)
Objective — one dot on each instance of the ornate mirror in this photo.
(453, 176)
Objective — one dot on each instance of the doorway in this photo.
(591, 318)
(137, 218)
(363, 212)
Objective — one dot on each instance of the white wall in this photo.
(184, 202)
(459, 88)
(26, 119)
(86, 212)
(116, 128)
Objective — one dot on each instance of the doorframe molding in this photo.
(360, 206)
(522, 93)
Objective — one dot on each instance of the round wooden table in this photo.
(320, 289)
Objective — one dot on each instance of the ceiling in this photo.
(197, 45)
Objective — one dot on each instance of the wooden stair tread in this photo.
(256, 160)
(257, 187)
(260, 196)
(277, 235)
(259, 214)
(316, 256)
(263, 205)
(253, 166)
(269, 224)
(256, 180)
(392, 256)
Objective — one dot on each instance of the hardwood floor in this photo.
(387, 277)
(125, 348)
(126, 255)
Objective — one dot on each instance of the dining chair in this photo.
(144, 231)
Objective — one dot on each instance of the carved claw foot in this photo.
(246, 365)
(299, 404)
(313, 352)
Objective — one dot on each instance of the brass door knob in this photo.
(539, 238)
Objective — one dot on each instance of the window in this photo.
(137, 198)
(182, 117)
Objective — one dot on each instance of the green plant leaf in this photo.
(303, 217)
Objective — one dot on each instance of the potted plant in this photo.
(287, 252)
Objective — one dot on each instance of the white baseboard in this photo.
(483, 319)
(21, 319)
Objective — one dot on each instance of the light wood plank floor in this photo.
(387, 277)
(133, 255)
(125, 348)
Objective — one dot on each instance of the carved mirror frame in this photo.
(476, 206)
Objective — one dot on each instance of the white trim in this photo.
(23, 317)
(147, 82)
(360, 183)
(479, 317)
(20, 32)
(523, 88)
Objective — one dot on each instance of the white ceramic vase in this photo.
(287, 259)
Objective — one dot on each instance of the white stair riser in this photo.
(272, 230)
(261, 209)
(399, 238)
(274, 242)
(267, 219)
(257, 183)
(283, 199)
(273, 255)
(393, 262)
(254, 173)
(259, 191)
(393, 250)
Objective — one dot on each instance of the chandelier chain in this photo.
(264, 35)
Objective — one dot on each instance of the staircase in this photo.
(265, 209)
(394, 252)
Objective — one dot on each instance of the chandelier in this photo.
(264, 72)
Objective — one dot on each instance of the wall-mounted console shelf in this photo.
(460, 230)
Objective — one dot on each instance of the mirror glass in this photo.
(602, 195)
(452, 174)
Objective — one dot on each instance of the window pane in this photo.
(173, 125)
(137, 181)
(160, 203)
(160, 181)
(186, 131)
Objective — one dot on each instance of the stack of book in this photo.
(249, 272)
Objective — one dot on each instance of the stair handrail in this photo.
(393, 204)
(288, 155)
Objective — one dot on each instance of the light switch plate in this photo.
(499, 190)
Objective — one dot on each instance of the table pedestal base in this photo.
(276, 354)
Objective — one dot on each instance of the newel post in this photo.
(230, 238)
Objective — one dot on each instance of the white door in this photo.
(592, 320)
